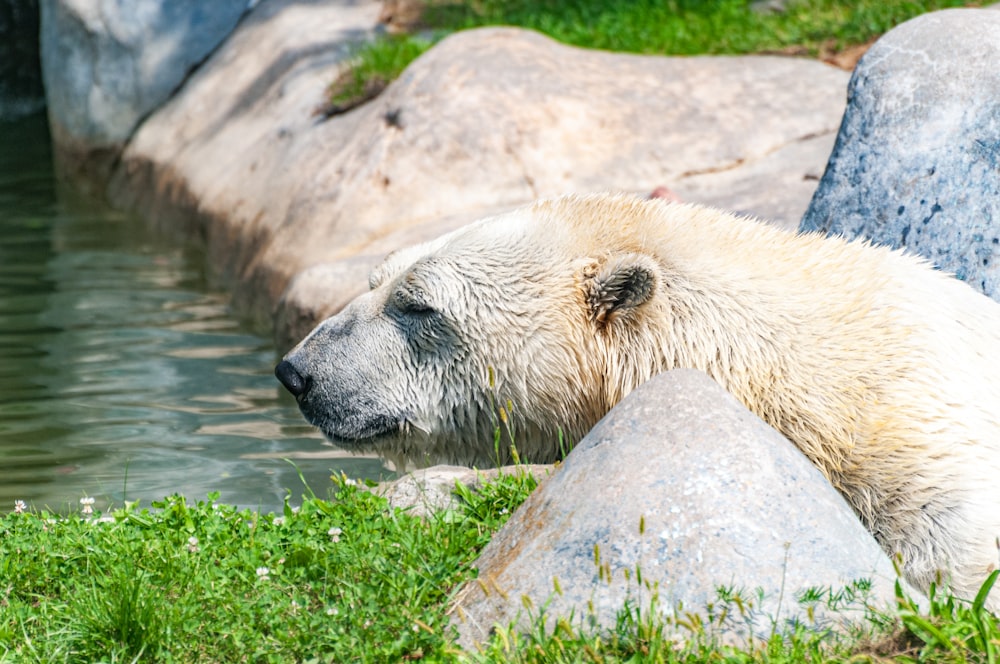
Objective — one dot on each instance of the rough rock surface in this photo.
(683, 483)
(108, 63)
(917, 158)
(486, 120)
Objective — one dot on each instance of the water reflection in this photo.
(120, 376)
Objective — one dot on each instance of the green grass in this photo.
(662, 27)
(691, 27)
(348, 579)
(338, 580)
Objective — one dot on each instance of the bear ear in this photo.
(394, 264)
(619, 285)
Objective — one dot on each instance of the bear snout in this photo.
(290, 377)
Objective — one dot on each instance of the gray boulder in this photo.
(917, 158)
(109, 63)
(684, 484)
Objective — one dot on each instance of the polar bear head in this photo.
(510, 330)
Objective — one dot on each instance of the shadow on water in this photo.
(121, 375)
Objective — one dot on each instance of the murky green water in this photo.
(121, 376)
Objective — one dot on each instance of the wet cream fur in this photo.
(883, 371)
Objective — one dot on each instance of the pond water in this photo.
(122, 377)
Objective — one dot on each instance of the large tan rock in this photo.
(486, 120)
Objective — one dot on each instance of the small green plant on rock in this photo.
(376, 65)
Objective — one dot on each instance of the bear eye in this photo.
(412, 302)
(418, 308)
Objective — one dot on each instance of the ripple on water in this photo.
(121, 375)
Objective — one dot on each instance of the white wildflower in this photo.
(87, 505)
(193, 544)
(19, 507)
(332, 611)
(263, 573)
(334, 534)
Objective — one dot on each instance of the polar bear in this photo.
(882, 370)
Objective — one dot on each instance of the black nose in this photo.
(289, 376)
